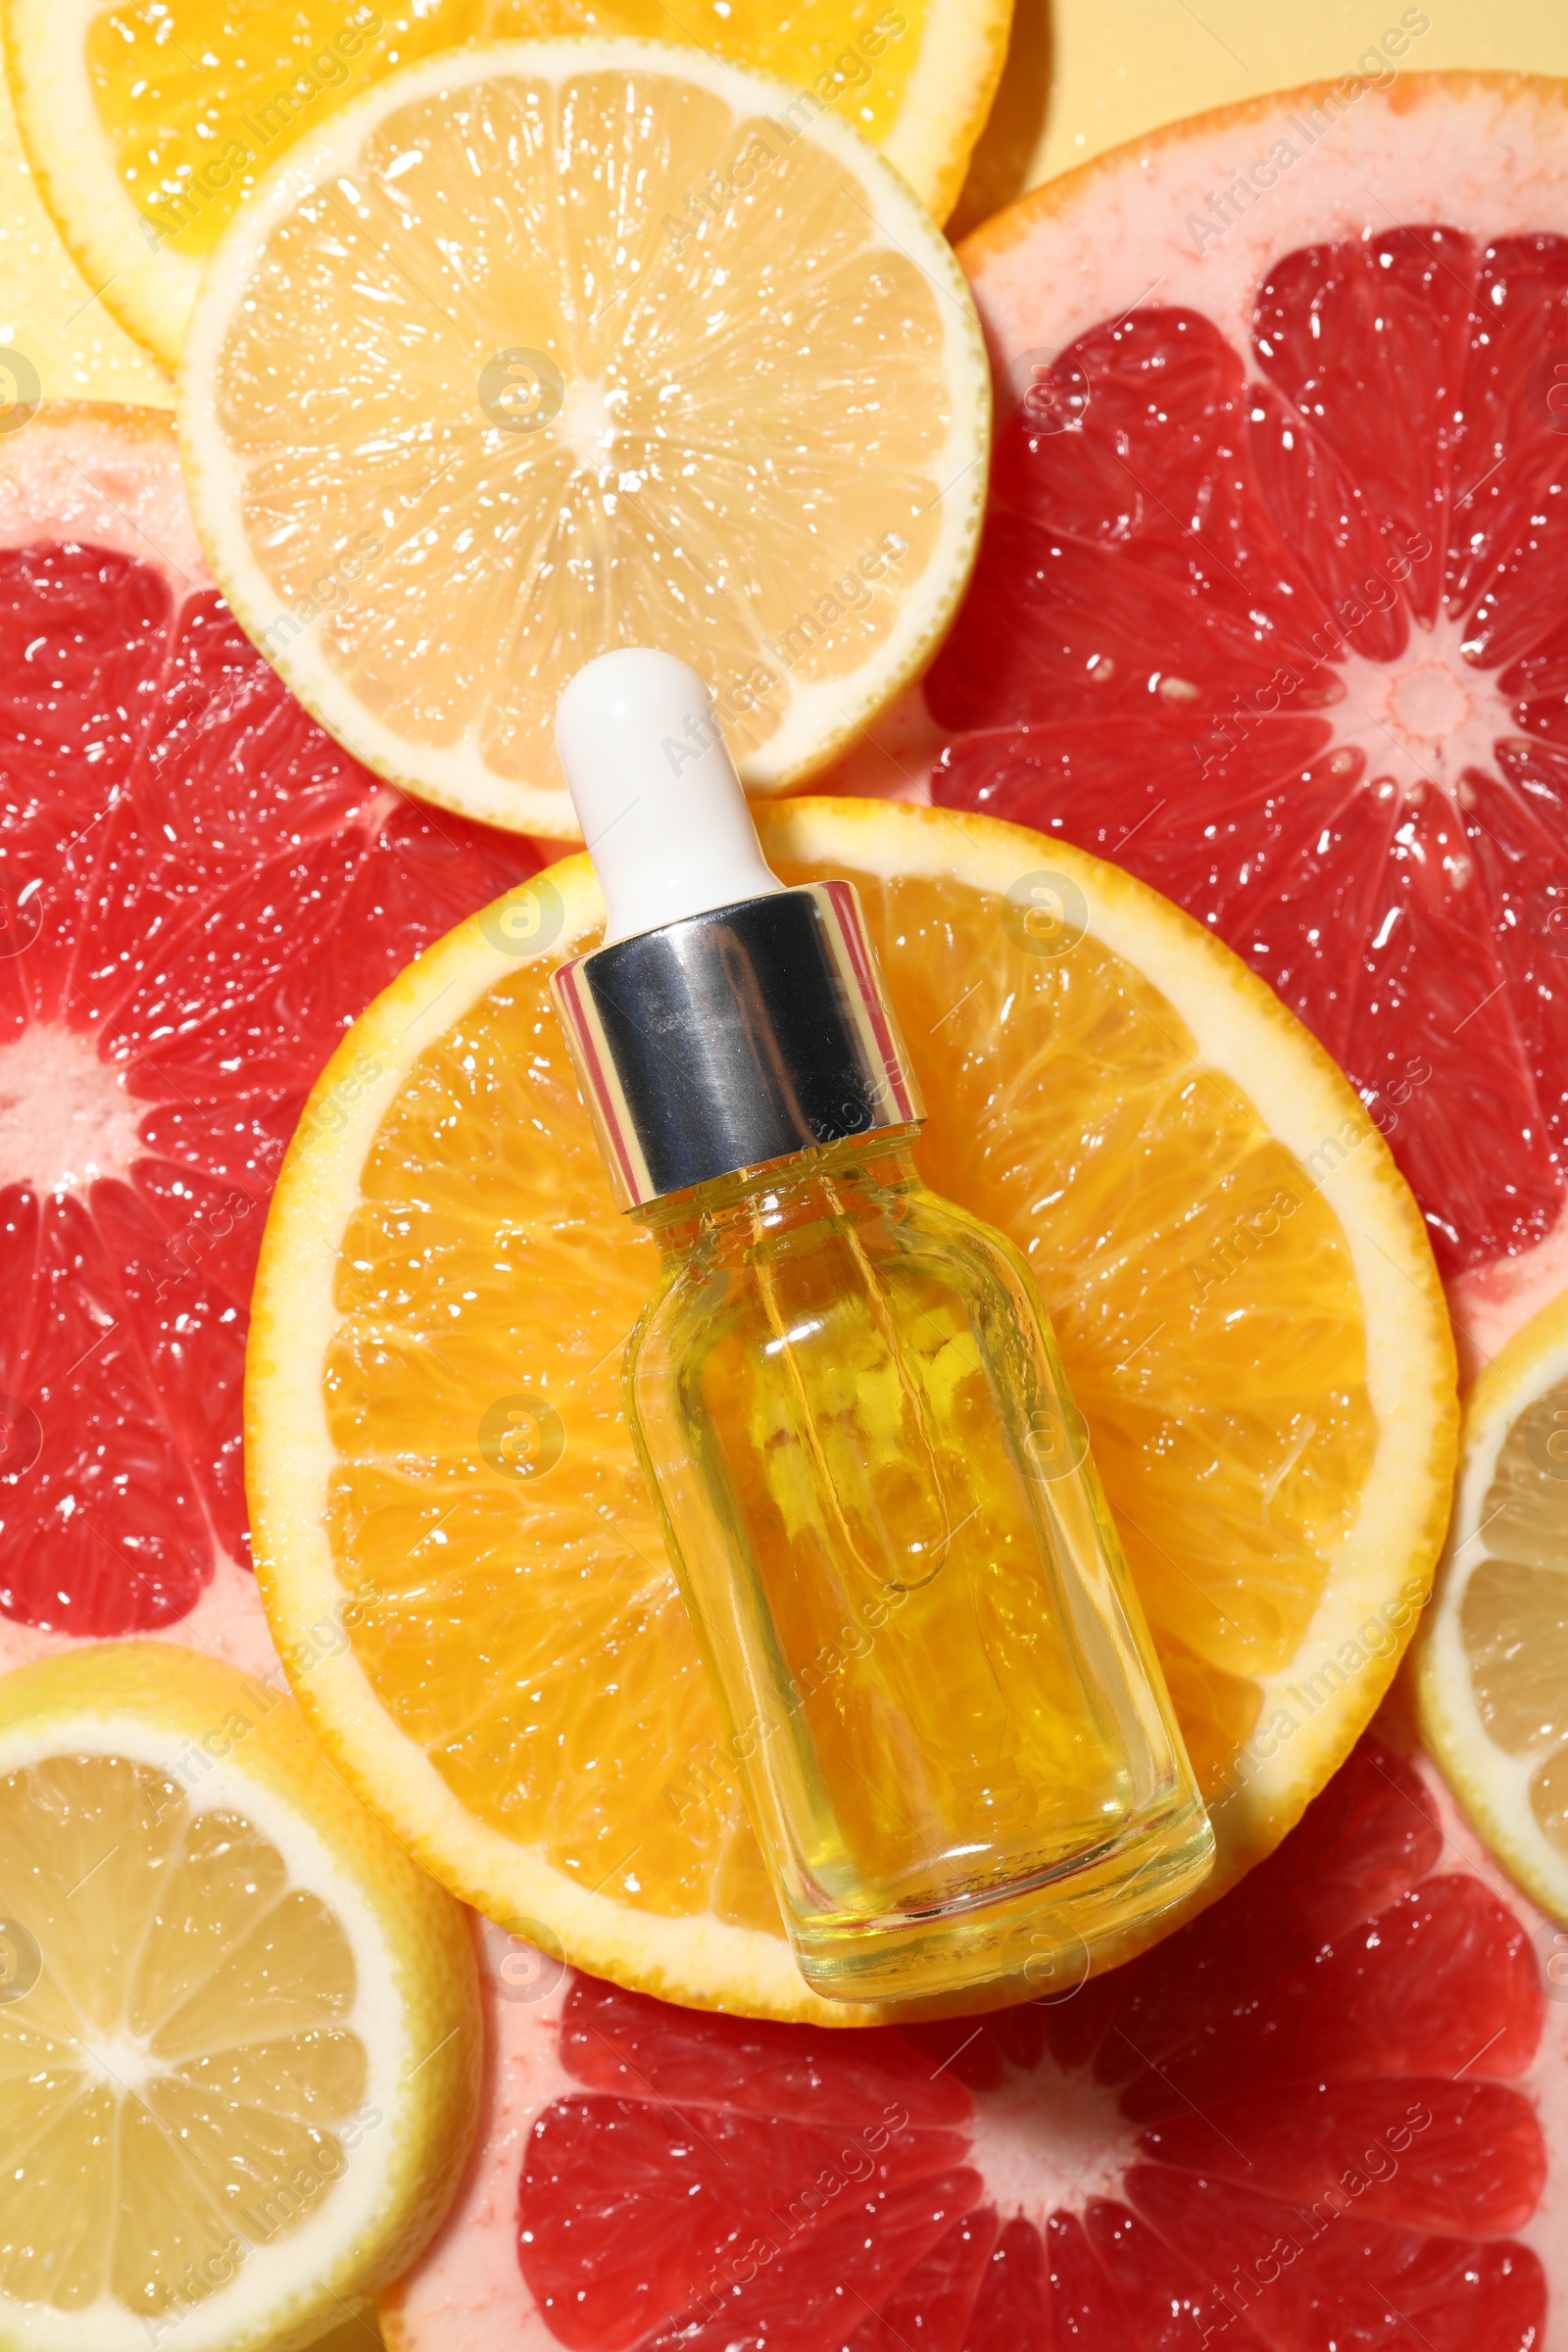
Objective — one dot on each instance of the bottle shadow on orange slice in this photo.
(1269, 603)
(198, 892)
(437, 1459)
(1330, 2112)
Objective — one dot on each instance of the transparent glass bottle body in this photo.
(954, 1741)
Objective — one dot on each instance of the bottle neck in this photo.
(858, 1175)
(732, 1040)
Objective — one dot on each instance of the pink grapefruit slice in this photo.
(1331, 2113)
(1270, 606)
(198, 893)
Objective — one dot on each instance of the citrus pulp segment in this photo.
(1493, 1659)
(1244, 1297)
(604, 343)
(198, 892)
(1269, 604)
(240, 2030)
(1364, 2168)
(146, 125)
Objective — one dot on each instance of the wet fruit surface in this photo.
(198, 892)
(1298, 2124)
(1288, 642)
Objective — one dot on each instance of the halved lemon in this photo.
(547, 347)
(1492, 1672)
(1241, 1282)
(147, 123)
(239, 2039)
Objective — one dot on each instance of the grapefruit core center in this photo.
(65, 1118)
(1048, 2140)
(1425, 717)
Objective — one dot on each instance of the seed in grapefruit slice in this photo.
(518, 1693)
(1328, 2114)
(1269, 606)
(198, 891)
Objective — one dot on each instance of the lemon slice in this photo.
(238, 2029)
(147, 123)
(1240, 1280)
(544, 349)
(1492, 1667)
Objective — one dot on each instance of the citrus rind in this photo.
(238, 1744)
(1312, 1709)
(820, 719)
(1491, 1784)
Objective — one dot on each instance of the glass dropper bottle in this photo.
(932, 1671)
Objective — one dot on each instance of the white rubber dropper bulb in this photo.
(661, 810)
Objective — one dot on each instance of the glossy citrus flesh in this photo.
(1321, 2115)
(146, 125)
(239, 2030)
(1495, 1658)
(181, 1960)
(515, 1621)
(1291, 647)
(451, 1290)
(175, 86)
(198, 891)
(606, 352)
(1514, 1624)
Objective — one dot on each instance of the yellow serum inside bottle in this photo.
(957, 1751)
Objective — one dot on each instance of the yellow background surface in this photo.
(1085, 75)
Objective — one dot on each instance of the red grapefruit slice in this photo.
(1331, 2113)
(198, 893)
(1270, 603)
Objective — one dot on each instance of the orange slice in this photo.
(1242, 1287)
(147, 123)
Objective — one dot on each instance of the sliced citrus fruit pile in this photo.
(1269, 606)
(1494, 1660)
(240, 2030)
(1329, 2113)
(1244, 1295)
(148, 123)
(607, 343)
(198, 892)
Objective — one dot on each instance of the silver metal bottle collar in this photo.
(734, 1038)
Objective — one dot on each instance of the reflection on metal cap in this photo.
(734, 1038)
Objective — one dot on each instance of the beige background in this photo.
(1085, 75)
